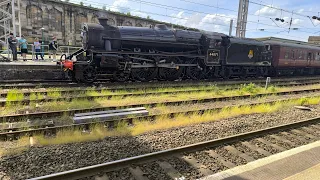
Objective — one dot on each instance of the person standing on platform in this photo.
(53, 48)
(24, 47)
(37, 47)
(13, 46)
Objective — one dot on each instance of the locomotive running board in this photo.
(168, 65)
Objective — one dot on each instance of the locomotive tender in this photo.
(145, 54)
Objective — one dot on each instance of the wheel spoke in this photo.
(194, 72)
(89, 74)
(143, 74)
(169, 73)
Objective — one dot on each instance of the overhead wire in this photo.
(267, 17)
(288, 11)
(175, 17)
(153, 13)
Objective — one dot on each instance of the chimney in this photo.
(103, 21)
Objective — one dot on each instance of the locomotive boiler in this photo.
(158, 52)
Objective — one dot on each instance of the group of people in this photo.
(23, 44)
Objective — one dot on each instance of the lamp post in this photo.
(42, 42)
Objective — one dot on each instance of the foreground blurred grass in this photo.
(99, 132)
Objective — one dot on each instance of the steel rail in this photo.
(4, 135)
(158, 83)
(17, 117)
(145, 89)
(148, 91)
(34, 81)
(120, 95)
(123, 163)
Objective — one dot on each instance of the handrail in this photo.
(44, 50)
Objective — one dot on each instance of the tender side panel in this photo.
(243, 54)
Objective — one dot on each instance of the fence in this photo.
(44, 50)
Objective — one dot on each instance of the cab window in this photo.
(268, 47)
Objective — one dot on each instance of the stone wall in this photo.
(314, 39)
(63, 20)
(9, 71)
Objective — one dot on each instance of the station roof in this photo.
(282, 40)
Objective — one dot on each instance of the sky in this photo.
(215, 15)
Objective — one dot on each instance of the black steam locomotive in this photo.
(148, 53)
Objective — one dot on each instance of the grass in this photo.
(14, 95)
(250, 89)
(98, 132)
(203, 92)
(22, 144)
(54, 94)
(209, 116)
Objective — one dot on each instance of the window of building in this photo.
(34, 16)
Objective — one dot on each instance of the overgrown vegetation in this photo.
(18, 146)
(207, 92)
(99, 132)
(14, 95)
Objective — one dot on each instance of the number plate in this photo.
(213, 56)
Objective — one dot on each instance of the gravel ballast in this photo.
(39, 161)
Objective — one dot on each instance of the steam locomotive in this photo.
(148, 53)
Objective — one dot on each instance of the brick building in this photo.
(314, 39)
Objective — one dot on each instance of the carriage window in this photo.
(300, 55)
(292, 56)
(286, 56)
(309, 56)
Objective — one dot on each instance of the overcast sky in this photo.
(215, 15)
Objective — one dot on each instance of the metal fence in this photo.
(44, 50)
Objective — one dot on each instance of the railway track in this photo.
(55, 84)
(9, 135)
(204, 158)
(109, 95)
(125, 91)
(50, 114)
